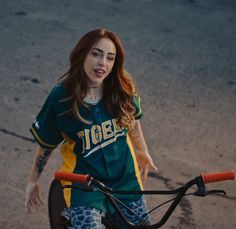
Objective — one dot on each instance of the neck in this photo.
(94, 90)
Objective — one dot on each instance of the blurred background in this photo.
(182, 55)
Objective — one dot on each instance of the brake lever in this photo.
(203, 193)
(202, 189)
(97, 185)
(216, 191)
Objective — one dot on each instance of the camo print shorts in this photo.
(83, 217)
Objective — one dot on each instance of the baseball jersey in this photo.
(100, 148)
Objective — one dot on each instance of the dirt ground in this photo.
(182, 54)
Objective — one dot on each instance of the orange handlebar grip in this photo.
(215, 177)
(60, 175)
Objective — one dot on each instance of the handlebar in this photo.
(61, 175)
(216, 177)
(207, 178)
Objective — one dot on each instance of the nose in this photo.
(102, 61)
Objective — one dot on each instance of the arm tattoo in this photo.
(42, 160)
(135, 135)
(137, 138)
(135, 131)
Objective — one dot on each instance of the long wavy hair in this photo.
(118, 86)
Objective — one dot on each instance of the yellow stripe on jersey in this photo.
(40, 140)
(69, 162)
(137, 172)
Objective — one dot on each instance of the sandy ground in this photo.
(182, 54)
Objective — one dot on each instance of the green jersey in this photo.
(100, 148)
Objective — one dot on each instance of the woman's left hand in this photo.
(145, 162)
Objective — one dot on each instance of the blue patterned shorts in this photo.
(83, 217)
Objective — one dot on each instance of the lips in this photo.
(99, 72)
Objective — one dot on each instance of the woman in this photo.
(94, 113)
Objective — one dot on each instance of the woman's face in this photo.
(99, 62)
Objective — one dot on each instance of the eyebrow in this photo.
(110, 53)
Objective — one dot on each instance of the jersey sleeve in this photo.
(137, 104)
(45, 129)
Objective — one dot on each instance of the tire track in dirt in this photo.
(12, 133)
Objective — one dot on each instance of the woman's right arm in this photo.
(33, 200)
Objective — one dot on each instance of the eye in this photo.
(111, 58)
(95, 53)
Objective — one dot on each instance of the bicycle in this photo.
(60, 221)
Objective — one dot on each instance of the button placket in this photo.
(98, 115)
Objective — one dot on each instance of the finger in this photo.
(40, 201)
(145, 174)
(141, 171)
(37, 203)
(26, 202)
(33, 205)
(27, 197)
(29, 208)
(153, 166)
